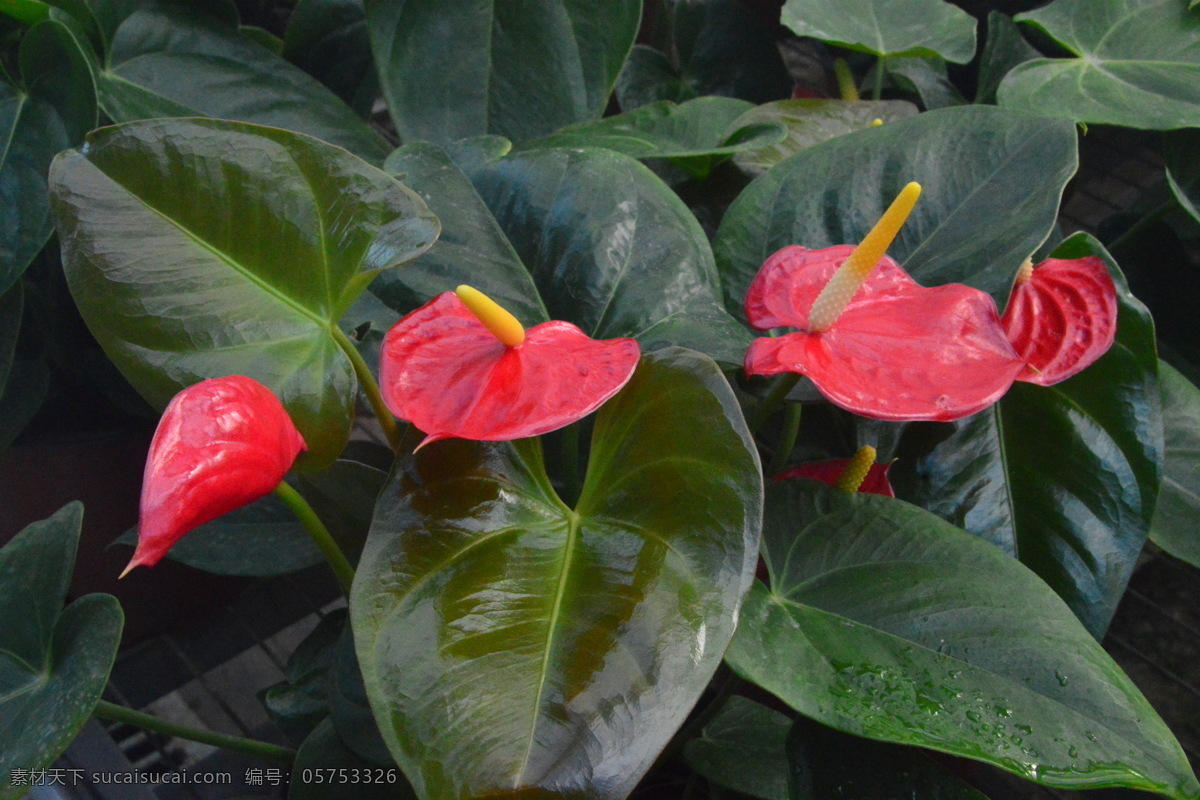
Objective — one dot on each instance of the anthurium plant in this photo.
(667, 436)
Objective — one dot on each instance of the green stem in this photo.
(250, 747)
(319, 533)
(366, 382)
(877, 91)
(775, 397)
(845, 80)
(1138, 227)
(787, 439)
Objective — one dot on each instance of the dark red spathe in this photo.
(1062, 319)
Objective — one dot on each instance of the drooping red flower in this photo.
(220, 445)
(1061, 317)
(875, 482)
(897, 351)
(449, 374)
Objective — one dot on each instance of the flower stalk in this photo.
(370, 388)
(319, 533)
(250, 747)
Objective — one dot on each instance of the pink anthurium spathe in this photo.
(1061, 317)
(462, 367)
(874, 341)
(220, 445)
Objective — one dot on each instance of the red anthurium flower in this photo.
(872, 340)
(461, 366)
(1061, 317)
(845, 471)
(220, 445)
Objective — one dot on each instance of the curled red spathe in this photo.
(220, 445)
(1062, 318)
(444, 372)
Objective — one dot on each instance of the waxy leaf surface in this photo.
(811, 122)
(973, 163)
(177, 60)
(887, 27)
(1174, 525)
(1136, 63)
(1003, 50)
(56, 107)
(510, 644)
(54, 662)
(516, 68)
(328, 40)
(1062, 477)
(204, 248)
(744, 748)
(696, 135)
(884, 621)
(587, 236)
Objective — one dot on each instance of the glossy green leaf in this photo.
(259, 540)
(811, 122)
(744, 748)
(608, 247)
(512, 644)
(202, 248)
(1135, 63)
(717, 47)
(328, 40)
(517, 68)
(696, 135)
(28, 12)
(300, 702)
(887, 27)
(12, 304)
(649, 77)
(54, 662)
(1174, 525)
(1062, 477)
(54, 110)
(826, 763)
(171, 60)
(1003, 50)
(926, 78)
(325, 769)
(978, 218)
(1181, 150)
(886, 622)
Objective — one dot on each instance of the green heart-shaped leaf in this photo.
(511, 644)
(696, 135)
(887, 27)
(811, 122)
(53, 111)
(1062, 477)
(172, 60)
(927, 78)
(980, 215)
(744, 748)
(1003, 51)
(587, 236)
(202, 248)
(1173, 527)
(54, 663)
(886, 622)
(1136, 63)
(328, 40)
(520, 70)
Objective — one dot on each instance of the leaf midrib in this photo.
(227, 259)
